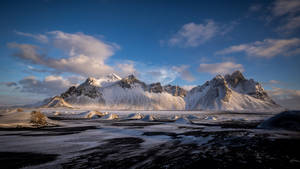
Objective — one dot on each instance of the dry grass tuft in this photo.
(38, 118)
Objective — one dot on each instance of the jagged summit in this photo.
(235, 78)
(229, 92)
(91, 81)
(131, 81)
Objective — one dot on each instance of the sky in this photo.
(47, 46)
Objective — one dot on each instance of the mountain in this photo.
(112, 92)
(229, 92)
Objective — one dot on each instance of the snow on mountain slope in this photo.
(117, 97)
(232, 92)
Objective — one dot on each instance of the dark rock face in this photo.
(131, 80)
(175, 90)
(88, 89)
(71, 91)
(206, 95)
(221, 88)
(91, 92)
(218, 88)
(155, 88)
(235, 78)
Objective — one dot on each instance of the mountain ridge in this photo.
(229, 92)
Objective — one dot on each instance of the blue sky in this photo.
(46, 43)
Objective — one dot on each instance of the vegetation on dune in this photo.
(38, 118)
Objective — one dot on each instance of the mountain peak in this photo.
(232, 92)
(129, 80)
(219, 80)
(235, 78)
(237, 75)
(91, 81)
(131, 77)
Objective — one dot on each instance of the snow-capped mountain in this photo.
(113, 92)
(230, 92)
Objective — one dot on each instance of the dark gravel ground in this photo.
(9, 160)
(228, 150)
(239, 148)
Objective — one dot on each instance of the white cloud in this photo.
(274, 82)
(166, 74)
(283, 7)
(192, 34)
(163, 75)
(286, 97)
(286, 11)
(184, 73)
(86, 55)
(125, 69)
(267, 48)
(292, 24)
(220, 68)
(28, 52)
(75, 80)
(51, 85)
(39, 37)
(33, 69)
